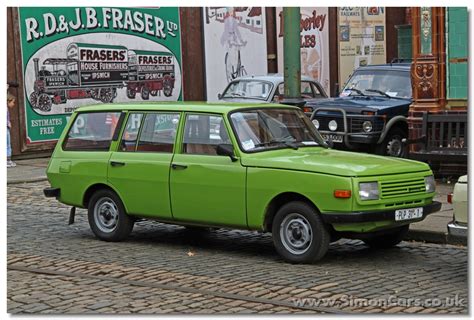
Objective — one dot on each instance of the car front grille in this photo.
(354, 124)
(324, 123)
(392, 189)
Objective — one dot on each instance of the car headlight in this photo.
(332, 125)
(367, 126)
(430, 184)
(369, 190)
(316, 123)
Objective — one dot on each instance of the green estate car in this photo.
(257, 167)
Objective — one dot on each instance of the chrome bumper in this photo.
(457, 230)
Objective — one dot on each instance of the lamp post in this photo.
(292, 56)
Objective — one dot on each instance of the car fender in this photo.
(389, 125)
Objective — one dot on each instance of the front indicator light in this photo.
(369, 191)
(430, 184)
(342, 194)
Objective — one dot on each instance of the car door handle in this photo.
(117, 163)
(178, 166)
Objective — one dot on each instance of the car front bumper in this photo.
(374, 216)
(456, 229)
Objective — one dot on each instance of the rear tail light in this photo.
(450, 197)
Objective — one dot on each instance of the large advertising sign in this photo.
(314, 28)
(361, 38)
(73, 56)
(235, 45)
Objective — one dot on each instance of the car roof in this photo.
(198, 106)
(388, 66)
(272, 77)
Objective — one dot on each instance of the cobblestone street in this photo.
(56, 268)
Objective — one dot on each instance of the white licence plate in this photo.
(334, 137)
(408, 214)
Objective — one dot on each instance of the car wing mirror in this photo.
(226, 150)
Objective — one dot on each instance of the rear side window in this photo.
(92, 131)
(158, 132)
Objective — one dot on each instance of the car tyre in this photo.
(299, 234)
(388, 240)
(107, 217)
(392, 145)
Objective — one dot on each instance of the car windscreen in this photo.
(394, 83)
(273, 128)
(249, 89)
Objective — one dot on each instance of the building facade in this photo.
(44, 102)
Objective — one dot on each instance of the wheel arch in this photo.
(278, 201)
(99, 186)
(397, 121)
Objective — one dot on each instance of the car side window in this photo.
(308, 90)
(203, 133)
(92, 131)
(158, 132)
(130, 133)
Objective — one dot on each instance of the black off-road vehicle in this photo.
(371, 111)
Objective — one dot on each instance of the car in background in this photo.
(370, 113)
(269, 88)
(458, 227)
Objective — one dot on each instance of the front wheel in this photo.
(107, 217)
(388, 240)
(299, 234)
(167, 88)
(393, 144)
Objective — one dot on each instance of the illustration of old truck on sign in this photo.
(92, 71)
(149, 73)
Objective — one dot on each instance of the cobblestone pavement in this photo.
(56, 268)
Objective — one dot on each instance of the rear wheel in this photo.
(145, 93)
(388, 240)
(107, 217)
(44, 102)
(299, 234)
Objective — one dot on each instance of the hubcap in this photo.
(106, 215)
(395, 147)
(296, 233)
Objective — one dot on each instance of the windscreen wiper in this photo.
(357, 91)
(379, 92)
(289, 144)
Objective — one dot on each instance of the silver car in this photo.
(268, 88)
